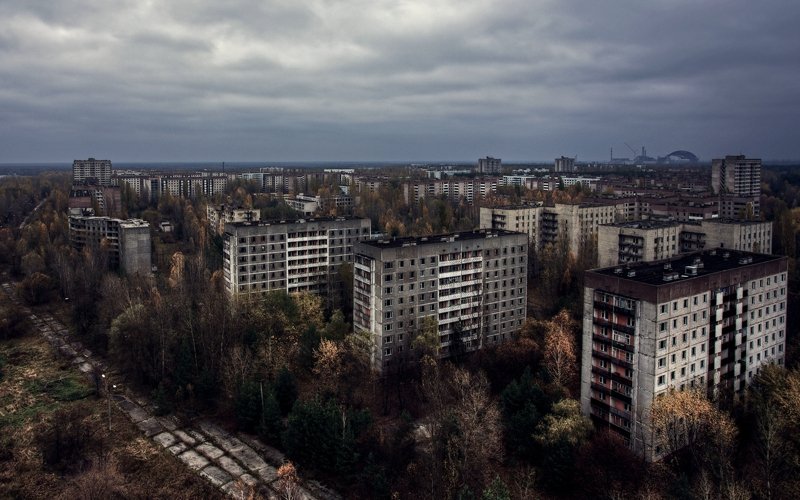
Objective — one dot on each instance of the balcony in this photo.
(614, 326)
(612, 359)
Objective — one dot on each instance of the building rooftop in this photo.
(303, 220)
(647, 224)
(686, 267)
(477, 234)
(734, 221)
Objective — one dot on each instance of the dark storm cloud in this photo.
(359, 79)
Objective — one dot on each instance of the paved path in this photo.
(231, 463)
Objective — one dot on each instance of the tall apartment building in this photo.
(565, 164)
(91, 171)
(290, 255)
(578, 223)
(650, 240)
(473, 284)
(126, 241)
(708, 320)
(738, 180)
(489, 165)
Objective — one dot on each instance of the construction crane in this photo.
(632, 150)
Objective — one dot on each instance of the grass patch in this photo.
(26, 414)
(68, 388)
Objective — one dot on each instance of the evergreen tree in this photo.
(285, 390)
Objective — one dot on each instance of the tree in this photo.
(774, 403)
(686, 421)
(497, 490)
(13, 321)
(559, 349)
(35, 289)
(271, 426)
(285, 390)
(561, 435)
(321, 434)
(426, 341)
(523, 404)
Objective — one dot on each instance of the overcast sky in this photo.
(280, 80)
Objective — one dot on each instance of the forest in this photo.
(501, 423)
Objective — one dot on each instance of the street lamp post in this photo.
(108, 398)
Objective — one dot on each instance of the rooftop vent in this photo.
(618, 270)
(746, 260)
(668, 266)
(671, 276)
(691, 270)
(726, 255)
(631, 273)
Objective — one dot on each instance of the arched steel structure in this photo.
(683, 155)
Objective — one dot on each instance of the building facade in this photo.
(738, 179)
(489, 165)
(577, 223)
(219, 215)
(708, 320)
(473, 284)
(293, 256)
(565, 164)
(127, 242)
(91, 171)
(649, 240)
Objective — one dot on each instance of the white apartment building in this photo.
(291, 255)
(708, 320)
(474, 284)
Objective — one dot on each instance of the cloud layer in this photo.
(395, 80)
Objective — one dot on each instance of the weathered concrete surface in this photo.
(165, 439)
(193, 459)
(216, 476)
(231, 466)
(210, 451)
(150, 427)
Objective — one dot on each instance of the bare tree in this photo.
(559, 348)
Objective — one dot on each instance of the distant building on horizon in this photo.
(489, 165)
(91, 172)
(565, 164)
(737, 180)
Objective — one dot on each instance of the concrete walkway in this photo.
(229, 462)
